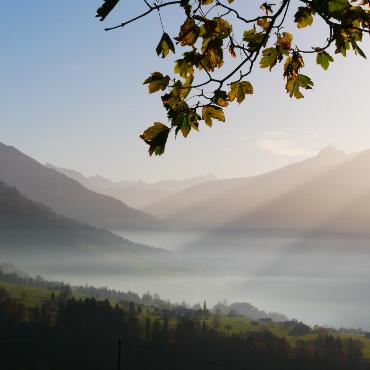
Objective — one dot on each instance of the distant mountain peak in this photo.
(331, 151)
(210, 176)
(330, 156)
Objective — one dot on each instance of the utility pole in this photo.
(120, 340)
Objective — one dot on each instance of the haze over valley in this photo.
(67, 196)
(294, 240)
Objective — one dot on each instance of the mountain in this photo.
(335, 203)
(137, 194)
(28, 226)
(95, 183)
(291, 198)
(67, 196)
(141, 195)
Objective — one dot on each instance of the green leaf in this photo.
(106, 8)
(214, 28)
(324, 59)
(156, 137)
(238, 91)
(269, 58)
(157, 82)
(185, 128)
(165, 46)
(338, 6)
(305, 82)
(187, 120)
(292, 87)
(296, 82)
(253, 38)
(183, 68)
(342, 44)
(212, 112)
(186, 87)
(304, 17)
(358, 50)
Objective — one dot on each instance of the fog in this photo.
(317, 280)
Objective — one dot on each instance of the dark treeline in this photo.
(16, 277)
(65, 333)
(247, 310)
(24, 280)
(9, 274)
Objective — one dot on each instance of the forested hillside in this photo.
(64, 332)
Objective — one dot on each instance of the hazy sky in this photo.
(72, 94)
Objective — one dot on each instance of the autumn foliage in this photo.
(196, 93)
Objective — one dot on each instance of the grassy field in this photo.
(240, 324)
(32, 297)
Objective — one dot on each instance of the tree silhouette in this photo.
(83, 334)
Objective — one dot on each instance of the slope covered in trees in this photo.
(83, 334)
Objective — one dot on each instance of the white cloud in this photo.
(282, 144)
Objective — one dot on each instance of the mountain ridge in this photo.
(138, 194)
(193, 205)
(67, 196)
(25, 224)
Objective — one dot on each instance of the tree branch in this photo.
(150, 10)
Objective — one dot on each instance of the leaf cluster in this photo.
(206, 39)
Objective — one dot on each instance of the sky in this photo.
(72, 95)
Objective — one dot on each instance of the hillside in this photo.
(246, 202)
(28, 226)
(137, 194)
(225, 324)
(335, 203)
(66, 196)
